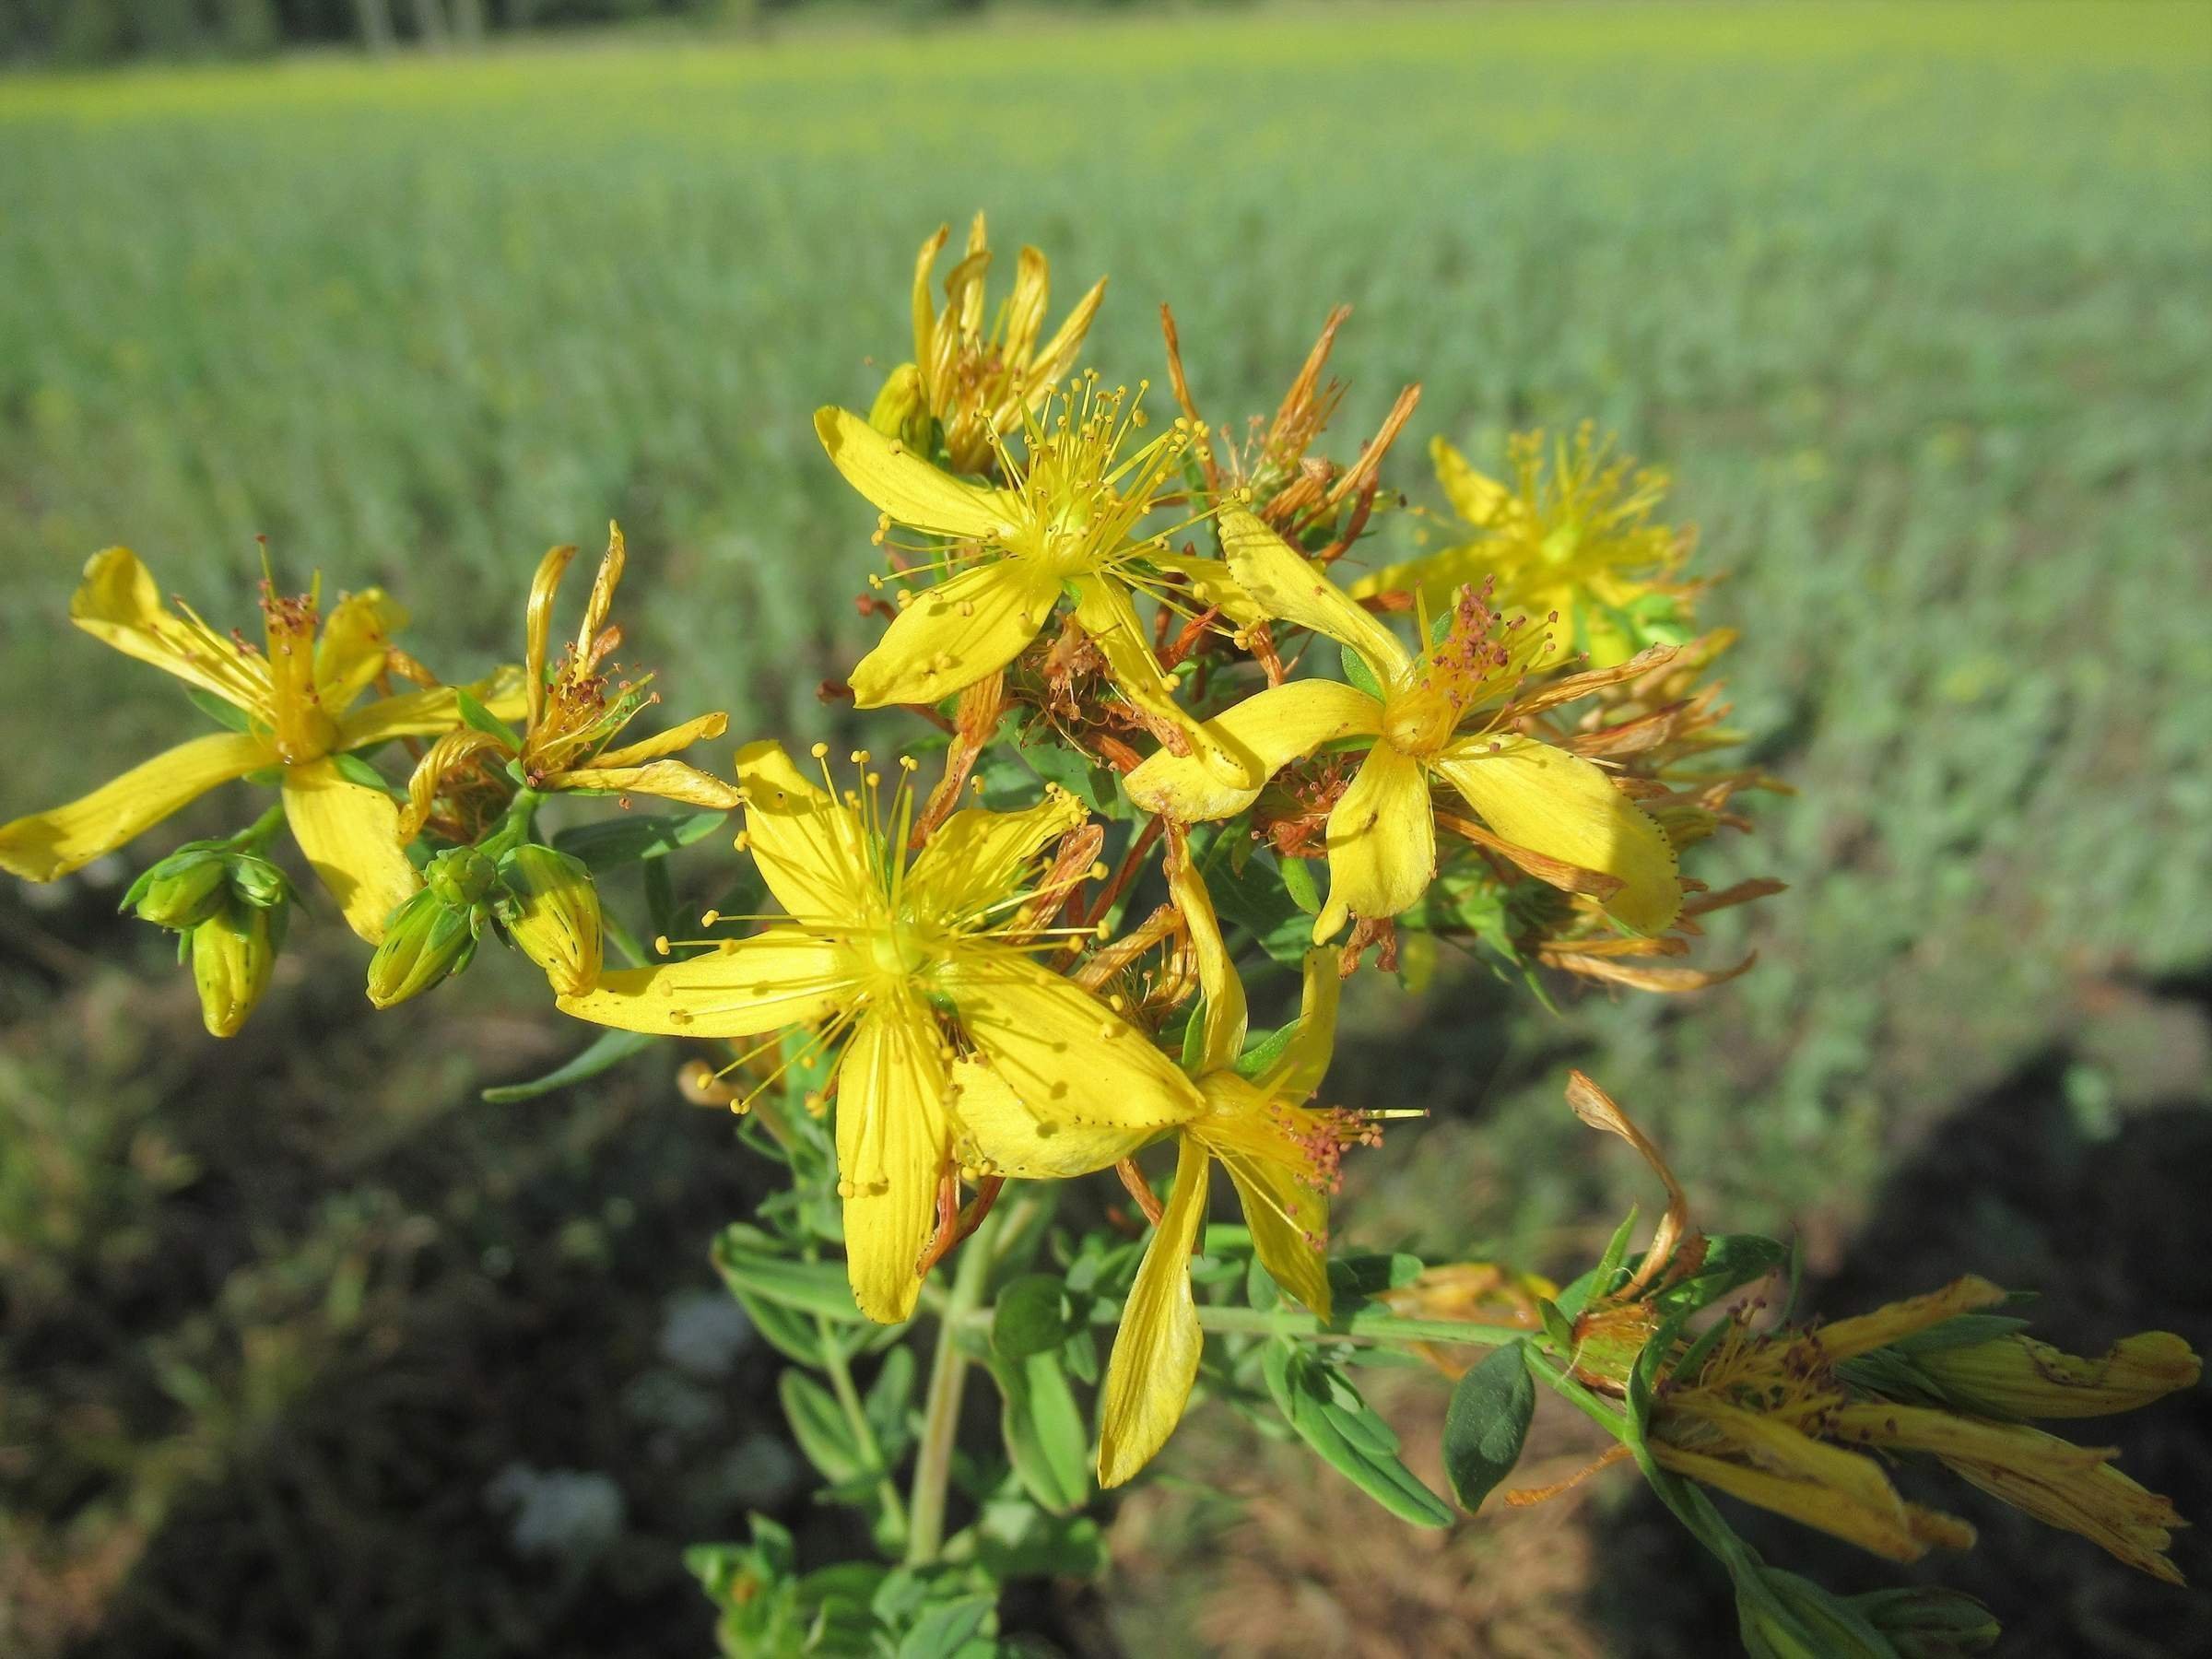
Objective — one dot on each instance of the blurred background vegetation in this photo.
(305, 1350)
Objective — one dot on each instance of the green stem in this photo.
(941, 1408)
(255, 836)
(1360, 1327)
(856, 1420)
(1604, 1415)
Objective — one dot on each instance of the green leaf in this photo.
(1264, 1049)
(1030, 1317)
(888, 1399)
(476, 715)
(1488, 1423)
(614, 843)
(1356, 670)
(745, 1262)
(1053, 761)
(1351, 1438)
(1617, 1249)
(820, 1428)
(609, 1051)
(1014, 1538)
(1043, 1431)
(1254, 897)
(222, 713)
(355, 770)
(950, 1630)
(1732, 1261)
(1556, 1327)
(1298, 882)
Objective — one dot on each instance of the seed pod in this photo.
(552, 915)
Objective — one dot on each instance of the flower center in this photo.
(1419, 721)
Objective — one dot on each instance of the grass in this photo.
(1912, 301)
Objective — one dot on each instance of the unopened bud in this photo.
(553, 916)
(257, 881)
(233, 953)
(183, 890)
(1929, 1621)
(901, 409)
(461, 877)
(428, 939)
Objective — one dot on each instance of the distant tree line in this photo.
(94, 31)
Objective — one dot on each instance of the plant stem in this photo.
(941, 1408)
(856, 1418)
(1360, 1327)
(255, 836)
(1576, 1395)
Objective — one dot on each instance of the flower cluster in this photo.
(1166, 722)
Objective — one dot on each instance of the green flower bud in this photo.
(553, 916)
(428, 938)
(183, 890)
(462, 877)
(901, 409)
(233, 953)
(1928, 1621)
(256, 880)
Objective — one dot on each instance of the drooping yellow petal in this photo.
(976, 858)
(118, 605)
(1260, 1140)
(903, 484)
(537, 626)
(46, 846)
(808, 846)
(1296, 1072)
(1276, 726)
(672, 741)
(1212, 584)
(670, 780)
(1562, 806)
(1224, 1013)
(1103, 610)
(1381, 841)
(355, 639)
(350, 834)
(993, 1128)
(750, 987)
(431, 711)
(951, 635)
(1070, 1057)
(892, 1140)
(1155, 1352)
(1283, 582)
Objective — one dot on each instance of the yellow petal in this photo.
(46, 846)
(1026, 306)
(432, 711)
(350, 834)
(951, 635)
(355, 640)
(1212, 584)
(1275, 727)
(1299, 1069)
(670, 780)
(750, 987)
(903, 485)
(1058, 354)
(1283, 582)
(1435, 577)
(925, 313)
(1155, 1352)
(892, 1141)
(1070, 1057)
(977, 858)
(1103, 610)
(1381, 840)
(1562, 806)
(672, 741)
(118, 605)
(1265, 1142)
(995, 1130)
(1478, 500)
(809, 847)
(1224, 1014)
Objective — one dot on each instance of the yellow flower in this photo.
(1064, 523)
(572, 715)
(979, 384)
(907, 965)
(296, 700)
(1281, 1154)
(1446, 715)
(1579, 545)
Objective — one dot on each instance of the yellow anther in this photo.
(820, 752)
(660, 944)
(708, 918)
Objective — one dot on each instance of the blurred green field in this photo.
(1914, 303)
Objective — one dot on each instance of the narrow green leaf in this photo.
(1308, 1394)
(355, 770)
(810, 1286)
(1297, 881)
(1030, 1317)
(1488, 1423)
(476, 715)
(950, 1630)
(1043, 1431)
(888, 1399)
(609, 1050)
(613, 842)
(1356, 670)
(820, 1428)
(222, 713)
